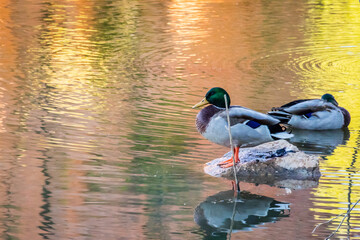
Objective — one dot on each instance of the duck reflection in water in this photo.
(319, 142)
(223, 213)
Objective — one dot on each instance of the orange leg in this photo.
(229, 162)
(235, 188)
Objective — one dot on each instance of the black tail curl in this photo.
(276, 128)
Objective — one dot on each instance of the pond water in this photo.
(97, 134)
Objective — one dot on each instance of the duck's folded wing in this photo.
(241, 114)
(304, 107)
(295, 102)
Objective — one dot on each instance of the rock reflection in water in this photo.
(319, 142)
(215, 214)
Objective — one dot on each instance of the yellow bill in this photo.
(201, 103)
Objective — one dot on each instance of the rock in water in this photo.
(269, 163)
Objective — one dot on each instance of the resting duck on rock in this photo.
(313, 114)
(248, 127)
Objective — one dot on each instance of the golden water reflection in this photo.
(332, 65)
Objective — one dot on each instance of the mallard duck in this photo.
(248, 127)
(313, 114)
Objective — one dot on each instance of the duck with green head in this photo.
(313, 114)
(248, 127)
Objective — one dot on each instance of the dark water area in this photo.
(97, 134)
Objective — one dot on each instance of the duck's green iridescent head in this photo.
(215, 96)
(329, 98)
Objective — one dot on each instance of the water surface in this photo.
(97, 135)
